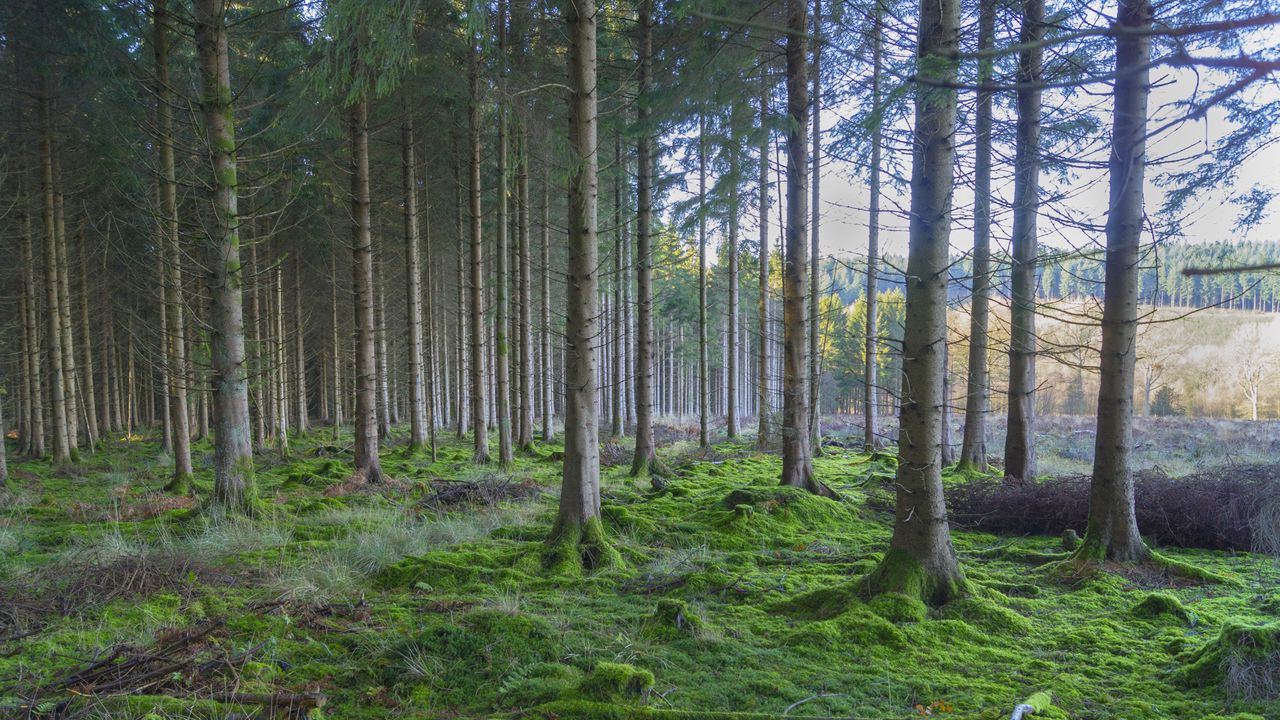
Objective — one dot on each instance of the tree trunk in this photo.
(578, 538)
(31, 333)
(871, 340)
(501, 318)
(57, 376)
(762, 210)
(973, 449)
(234, 485)
(281, 365)
(175, 340)
(1112, 532)
(89, 401)
(64, 312)
(479, 425)
(525, 438)
(366, 410)
(797, 460)
(547, 387)
(386, 410)
(646, 457)
(704, 438)
(921, 560)
(731, 323)
(413, 289)
(615, 316)
(815, 379)
(1019, 444)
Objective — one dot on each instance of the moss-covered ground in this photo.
(732, 596)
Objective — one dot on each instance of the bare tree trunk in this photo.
(1019, 444)
(704, 437)
(31, 332)
(57, 375)
(615, 314)
(731, 324)
(64, 313)
(578, 538)
(429, 341)
(234, 485)
(166, 445)
(171, 263)
(501, 318)
(973, 450)
(479, 425)
(281, 365)
(921, 560)
(413, 289)
(762, 211)
(89, 401)
(646, 457)
(366, 410)
(815, 258)
(548, 432)
(338, 396)
(525, 438)
(299, 348)
(871, 340)
(386, 410)
(797, 456)
(1112, 532)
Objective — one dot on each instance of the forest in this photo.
(625, 359)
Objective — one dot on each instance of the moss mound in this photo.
(1243, 659)
(616, 683)
(1161, 604)
(673, 618)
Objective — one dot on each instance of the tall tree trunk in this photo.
(797, 456)
(31, 332)
(921, 560)
(281, 365)
(502, 304)
(366, 410)
(175, 340)
(299, 349)
(234, 485)
(704, 437)
(973, 450)
(386, 409)
(64, 312)
(525, 438)
(815, 266)
(615, 316)
(479, 424)
(548, 432)
(166, 446)
(731, 323)
(764, 407)
(413, 289)
(339, 397)
(57, 376)
(1019, 444)
(871, 340)
(578, 538)
(646, 456)
(89, 401)
(429, 336)
(1112, 532)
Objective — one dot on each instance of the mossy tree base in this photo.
(571, 549)
(180, 484)
(901, 573)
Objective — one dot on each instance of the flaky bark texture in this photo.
(1019, 444)
(921, 561)
(175, 340)
(797, 460)
(645, 453)
(577, 538)
(973, 448)
(366, 411)
(1112, 532)
(234, 485)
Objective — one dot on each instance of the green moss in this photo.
(1244, 659)
(570, 549)
(617, 683)
(1160, 604)
(985, 614)
(900, 573)
(673, 618)
(898, 608)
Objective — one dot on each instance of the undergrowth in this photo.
(729, 594)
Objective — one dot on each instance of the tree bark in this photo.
(1112, 531)
(524, 439)
(973, 449)
(548, 432)
(1019, 444)
(175, 340)
(764, 406)
(704, 437)
(921, 560)
(578, 538)
(53, 334)
(31, 333)
(501, 318)
(339, 397)
(646, 456)
(366, 410)
(731, 323)
(234, 485)
(615, 316)
(89, 401)
(797, 460)
(299, 349)
(815, 257)
(479, 425)
(413, 289)
(871, 340)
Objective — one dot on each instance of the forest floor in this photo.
(425, 597)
